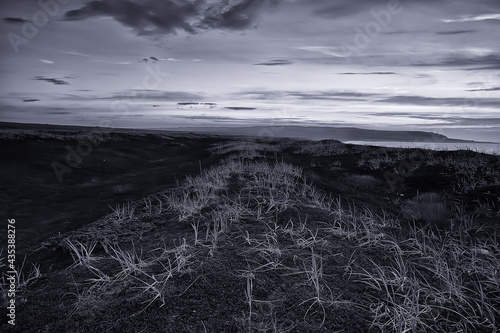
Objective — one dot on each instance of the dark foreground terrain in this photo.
(197, 233)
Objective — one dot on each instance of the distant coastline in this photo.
(344, 134)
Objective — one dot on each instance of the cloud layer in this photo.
(152, 17)
(53, 80)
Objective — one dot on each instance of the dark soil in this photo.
(208, 294)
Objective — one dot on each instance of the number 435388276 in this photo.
(11, 247)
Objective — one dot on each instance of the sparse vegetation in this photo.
(259, 243)
(124, 213)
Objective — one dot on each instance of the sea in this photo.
(482, 147)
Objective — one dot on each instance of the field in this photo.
(204, 233)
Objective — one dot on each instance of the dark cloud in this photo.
(15, 20)
(240, 108)
(450, 101)
(238, 16)
(58, 112)
(51, 80)
(150, 59)
(147, 17)
(455, 32)
(150, 17)
(337, 10)
(486, 89)
(276, 62)
(31, 100)
(488, 62)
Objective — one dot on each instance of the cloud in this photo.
(153, 17)
(46, 61)
(150, 59)
(51, 80)
(472, 18)
(486, 89)
(487, 62)
(445, 101)
(447, 118)
(334, 95)
(157, 95)
(342, 8)
(455, 32)
(31, 100)
(148, 17)
(325, 50)
(370, 73)
(201, 117)
(155, 60)
(276, 62)
(337, 11)
(310, 95)
(238, 16)
(58, 112)
(239, 108)
(111, 62)
(477, 121)
(79, 54)
(386, 114)
(15, 20)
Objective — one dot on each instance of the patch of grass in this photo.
(81, 254)
(131, 262)
(123, 213)
(430, 208)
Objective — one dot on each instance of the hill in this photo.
(232, 234)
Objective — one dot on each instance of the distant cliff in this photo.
(329, 133)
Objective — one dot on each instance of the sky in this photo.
(431, 65)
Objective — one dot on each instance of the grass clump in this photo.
(430, 208)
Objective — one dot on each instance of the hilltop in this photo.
(232, 234)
